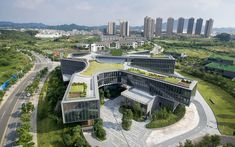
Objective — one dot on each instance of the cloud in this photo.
(28, 4)
(96, 12)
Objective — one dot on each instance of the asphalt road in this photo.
(10, 111)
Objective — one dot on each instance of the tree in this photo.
(188, 143)
(137, 110)
(107, 94)
(74, 138)
(206, 140)
(99, 130)
(101, 96)
(25, 139)
(28, 107)
(215, 140)
(67, 139)
(127, 119)
(25, 117)
(224, 37)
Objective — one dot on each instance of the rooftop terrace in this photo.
(96, 67)
(170, 79)
(221, 66)
(79, 88)
(216, 56)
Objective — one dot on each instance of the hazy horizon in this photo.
(95, 13)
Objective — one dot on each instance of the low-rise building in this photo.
(153, 91)
(221, 69)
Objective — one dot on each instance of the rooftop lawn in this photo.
(223, 106)
(221, 66)
(77, 90)
(172, 80)
(222, 57)
(95, 67)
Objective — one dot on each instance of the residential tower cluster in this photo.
(152, 28)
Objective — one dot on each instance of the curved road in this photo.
(207, 124)
(9, 119)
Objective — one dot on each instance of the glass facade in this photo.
(69, 66)
(80, 111)
(159, 65)
(152, 86)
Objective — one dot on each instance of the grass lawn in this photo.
(223, 107)
(77, 88)
(172, 80)
(191, 52)
(16, 61)
(96, 67)
(50, 129)
(49, 133)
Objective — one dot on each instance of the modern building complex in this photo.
(198, 28)
(170, 26)
(149, 27)
(208, 27)
(124, 28)
(180, 27)
(190, 25)
(111, 28)
(151, 89)
(158, 29)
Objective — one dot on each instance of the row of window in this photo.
(84, 115)
(81, 105)
(154, 87)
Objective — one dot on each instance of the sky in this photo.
(99, 12)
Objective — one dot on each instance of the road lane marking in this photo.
(3, 114)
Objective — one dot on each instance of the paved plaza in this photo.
(138, 135)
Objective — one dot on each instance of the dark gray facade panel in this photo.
(69, 66)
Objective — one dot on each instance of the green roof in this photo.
(173, 80)
(216, 56)
(221, 66)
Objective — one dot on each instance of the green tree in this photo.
(25, 117)
(215, 140)
(99, 130)
(223, 37)
(74, 138)
(67, 139)
(25, 139)
(107, 93)
(137, 110)
(188, 143)
(127, 119)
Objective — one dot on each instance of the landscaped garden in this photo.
(166, 117)
(77, 90)
(51, 132)
(95, 67)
